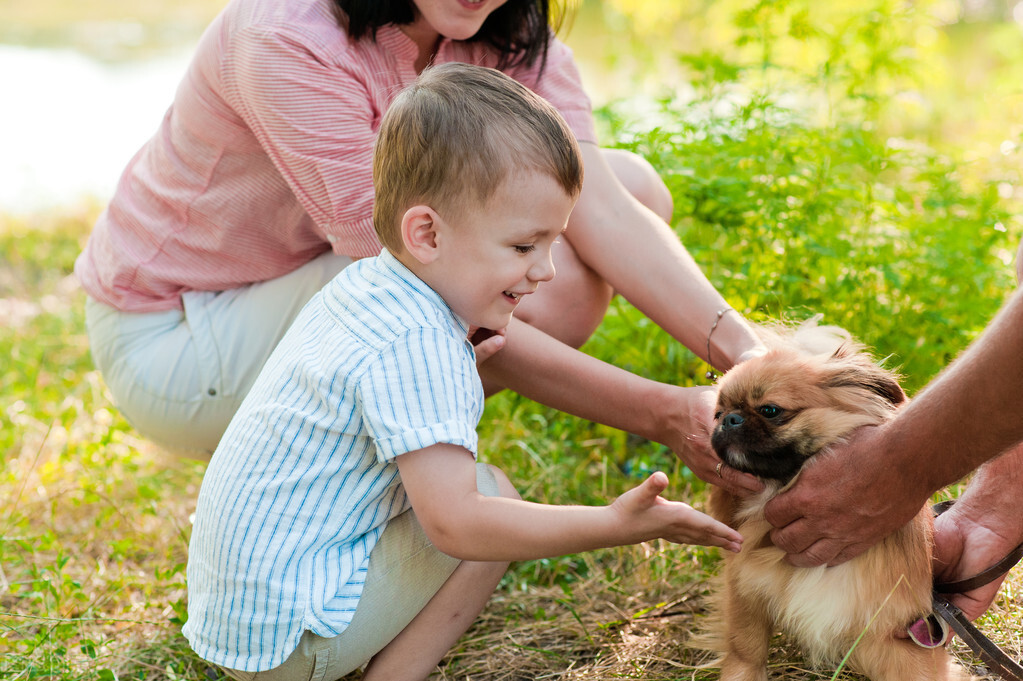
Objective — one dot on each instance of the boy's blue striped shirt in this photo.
(304, 480)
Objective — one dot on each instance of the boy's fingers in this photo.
(730, 540)
(709, 531)
(728, 534)
(655, 484)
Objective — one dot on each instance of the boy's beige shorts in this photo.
(405, 571)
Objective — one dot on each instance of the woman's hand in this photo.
(756, 351)
(689, 437)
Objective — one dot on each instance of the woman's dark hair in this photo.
(520, 30)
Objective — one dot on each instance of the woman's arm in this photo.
(545, 370)
(636, 252)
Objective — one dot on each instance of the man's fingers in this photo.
(847, 553)
(819, 553)
(792, 538)
(782, 512)
(975, 603)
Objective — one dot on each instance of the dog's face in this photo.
(775, 412)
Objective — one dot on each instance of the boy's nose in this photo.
(542, 269)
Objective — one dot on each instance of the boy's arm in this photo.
(441, 484)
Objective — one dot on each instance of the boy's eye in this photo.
(524, 248)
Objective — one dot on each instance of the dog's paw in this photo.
(733, 669)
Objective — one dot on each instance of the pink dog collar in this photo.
(929, 632)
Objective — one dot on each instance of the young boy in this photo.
(343, 517)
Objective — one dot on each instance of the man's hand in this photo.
(982, 527)
(843, 502)
(963, 548)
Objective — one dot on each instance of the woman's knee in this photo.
(573, 304)
(641, 180)
(492, 482)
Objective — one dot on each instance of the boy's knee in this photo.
(492, 482)
(642, 181)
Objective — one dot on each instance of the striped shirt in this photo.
(263, 161)
(305, 480)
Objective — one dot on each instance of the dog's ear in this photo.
(857, 370)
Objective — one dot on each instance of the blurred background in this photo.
(83, 84)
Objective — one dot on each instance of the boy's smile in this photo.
(490, 258)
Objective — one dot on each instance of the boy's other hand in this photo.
(645, 512)
(486, 342)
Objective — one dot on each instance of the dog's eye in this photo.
(717, 416)
(770, 411)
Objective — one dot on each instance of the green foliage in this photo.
(882, 237)
(798, 187)
(796, 200)
(792, 213)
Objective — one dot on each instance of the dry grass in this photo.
(641, 634)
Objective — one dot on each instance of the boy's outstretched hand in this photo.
(652, 516)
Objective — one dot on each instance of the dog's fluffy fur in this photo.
(812, 389)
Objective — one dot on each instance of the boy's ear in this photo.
(419, 227)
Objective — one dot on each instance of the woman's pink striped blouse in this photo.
(263, 161)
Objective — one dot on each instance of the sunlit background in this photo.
(83, 84)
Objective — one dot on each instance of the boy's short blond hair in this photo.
(452, 137)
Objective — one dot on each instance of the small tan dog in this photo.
(811, 390)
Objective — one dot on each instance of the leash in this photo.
(994, 657)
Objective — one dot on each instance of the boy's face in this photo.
(491, 257)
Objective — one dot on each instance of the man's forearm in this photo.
(970, 414)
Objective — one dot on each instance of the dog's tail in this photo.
(808, 336)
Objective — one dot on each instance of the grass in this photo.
(905, 242)
(94, 522)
